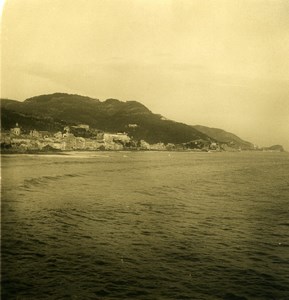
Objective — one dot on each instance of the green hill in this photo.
(111, 115)
(277, 148)
(28, 122)
(225, 137)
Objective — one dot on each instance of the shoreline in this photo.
(69, 152)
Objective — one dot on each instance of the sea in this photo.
(145, 225)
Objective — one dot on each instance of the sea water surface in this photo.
(145, 225)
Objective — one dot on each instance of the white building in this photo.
(116, 137)
(132, 125)
(16, 130)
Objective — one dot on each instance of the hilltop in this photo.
(225, 137)
(110, 115)
(54, 111)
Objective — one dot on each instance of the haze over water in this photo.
(145, 225)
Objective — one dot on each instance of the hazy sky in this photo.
(219, 63)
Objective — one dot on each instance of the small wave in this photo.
(84, 155)
(32, 182)
(231, 296)
(284, 224)
(71, 175)
(51, 177)
(145, 193)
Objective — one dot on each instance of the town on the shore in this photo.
(83, 138)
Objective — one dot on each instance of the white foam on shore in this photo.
(62, 155)
(83, 155)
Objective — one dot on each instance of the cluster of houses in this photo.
(82, 137)
(79, 137)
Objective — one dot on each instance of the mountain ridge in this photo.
(110, 115)
(224, 136)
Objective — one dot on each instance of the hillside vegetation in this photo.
(111, 115)
(225, 137)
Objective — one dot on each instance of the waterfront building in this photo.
(58, 135)
(82, 126)
(16, 130)
(34, 133)
(116, 137)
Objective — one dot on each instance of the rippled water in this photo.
(145, 225)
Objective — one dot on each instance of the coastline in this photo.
(70, 152)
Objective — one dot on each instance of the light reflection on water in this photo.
(153, 225)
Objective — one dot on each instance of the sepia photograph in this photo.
(144, 149)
